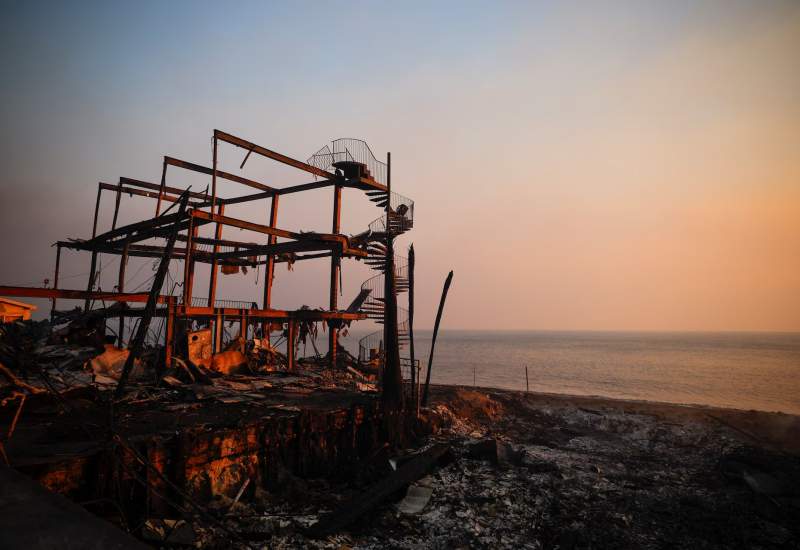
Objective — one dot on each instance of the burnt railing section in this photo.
(350, 150)
(398, 220)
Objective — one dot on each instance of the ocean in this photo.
(735, 369)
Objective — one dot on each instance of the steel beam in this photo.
(224, 175)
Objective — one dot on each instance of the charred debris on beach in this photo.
(197, 435)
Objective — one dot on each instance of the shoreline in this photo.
(775, 429)
(600, 397)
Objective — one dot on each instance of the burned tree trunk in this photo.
(435, 333)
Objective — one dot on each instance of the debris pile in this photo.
(541, 476)
(34, 358)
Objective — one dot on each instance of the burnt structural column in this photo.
(55, 281)
(392, 390)
(336, 265)
(291, 336)
(123, 262)
(269, 274)
(212, 280)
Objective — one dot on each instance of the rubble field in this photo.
(267, 458)
(548, 471)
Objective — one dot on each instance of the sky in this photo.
(580, 166)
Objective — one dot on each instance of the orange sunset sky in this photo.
(603, 166)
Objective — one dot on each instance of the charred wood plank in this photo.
(408, 473)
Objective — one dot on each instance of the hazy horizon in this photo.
(634, 167)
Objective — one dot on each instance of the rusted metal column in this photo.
(270, 267)
(290, 338)
(188, 274)
(214, 173)
(90, 284)
(243, 327)
(336, 263)
(96, 211)
(218, 320)
(116, 206)
(93, 264)
(55, 281)
(123, 262)
(212, 282)
(161, 187)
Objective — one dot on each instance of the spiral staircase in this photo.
(353, 157)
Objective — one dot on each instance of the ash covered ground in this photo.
(543, 471)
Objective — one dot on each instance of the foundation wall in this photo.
(204, 461)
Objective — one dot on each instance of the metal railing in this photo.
(324, 158)
(353, 150)
(200, 301)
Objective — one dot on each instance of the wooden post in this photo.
(135, 348)
(336, 262)
(435, 333)
(212, 280)
(527, 384)
(123, 262)
(55, 281)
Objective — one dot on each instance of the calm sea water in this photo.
(740, 370)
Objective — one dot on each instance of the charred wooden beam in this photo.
(380, 491)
